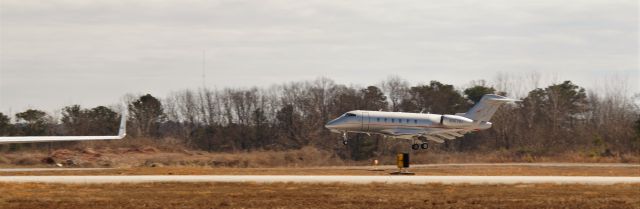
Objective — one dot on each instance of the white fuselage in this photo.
(433, 127)
(392, 123)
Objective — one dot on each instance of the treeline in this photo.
(556, 118)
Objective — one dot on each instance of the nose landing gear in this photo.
(345, 140)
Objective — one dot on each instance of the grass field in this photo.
(130, 154)
(289, 195)
(472, 170)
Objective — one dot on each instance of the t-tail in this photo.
(486, 107)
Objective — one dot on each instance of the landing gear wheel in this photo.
(415, 146)
(345, 142)
(424, 145)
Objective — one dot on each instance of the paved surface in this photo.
(567, 165)
(592, 180)
(49, 169)
(624, 165)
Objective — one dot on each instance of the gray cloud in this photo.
(54, 53)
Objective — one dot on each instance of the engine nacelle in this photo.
(455, 121)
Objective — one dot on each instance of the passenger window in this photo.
(385, 120)
(378, 119)
(393, 120)
(415, 121)
(407, 120)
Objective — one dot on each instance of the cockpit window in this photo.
(350, 115)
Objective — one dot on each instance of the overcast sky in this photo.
(57, 53)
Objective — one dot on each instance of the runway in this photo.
(609, 165)
(588, 180)
(49, 169)
(557, 165)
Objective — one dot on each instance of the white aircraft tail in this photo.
(122, 132)
(486, 107)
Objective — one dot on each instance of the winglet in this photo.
(122, 132)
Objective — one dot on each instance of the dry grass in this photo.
(145, 156)
(289, 195)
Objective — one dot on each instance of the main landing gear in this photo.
(423, 145)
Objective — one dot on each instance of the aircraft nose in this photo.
(332, 124)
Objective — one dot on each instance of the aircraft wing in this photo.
(440, 135)
(122, 132)
(403, 133)
(436, 135)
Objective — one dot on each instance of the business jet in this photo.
(122, 132)
(419, 127)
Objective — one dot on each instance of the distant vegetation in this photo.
(558, 118)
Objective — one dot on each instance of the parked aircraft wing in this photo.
(122, 132)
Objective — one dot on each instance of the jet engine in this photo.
(455, 121)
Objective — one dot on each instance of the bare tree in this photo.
(396, 90)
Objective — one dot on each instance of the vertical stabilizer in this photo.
(486, 107)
